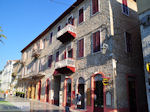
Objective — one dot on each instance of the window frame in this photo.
(50, 63)
(78, 55)
(58, 27)
(126, 46)
(100, 41)
(71, 15)
(92, 8)
(83, 14)
(122, 5)
(58, 56)
(50, 37)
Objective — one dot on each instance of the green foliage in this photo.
(2, 35)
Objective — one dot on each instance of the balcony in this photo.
(36, 53)
(68, 33)
(65, 66)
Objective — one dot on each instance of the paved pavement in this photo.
(28, 105)
(35, 106)
(6, 106)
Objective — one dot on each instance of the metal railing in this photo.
(69, 27)
(65, 62)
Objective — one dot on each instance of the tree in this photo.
(1, 35)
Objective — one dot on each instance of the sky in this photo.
(24, 20)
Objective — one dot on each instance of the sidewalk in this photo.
(6, 106)
(37, 106)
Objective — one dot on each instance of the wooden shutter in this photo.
(81, 16)
(94, 6)
(98, 41)
(81, 48)
(124, 2)
(65, 55)
(94, 42)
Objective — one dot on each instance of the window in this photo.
(51, 35)
(95, 6)
(81, 15)
(43, 43)
(64, 55)
(57, 56)
(128, 42)
(50, 60)
(81, 48)
(59, 28)
(70, 53)
(96, 41)
(71, 20)
(125, 8)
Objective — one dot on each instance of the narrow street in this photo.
(34, 106)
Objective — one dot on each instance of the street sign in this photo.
(148, 67)
(105, 82)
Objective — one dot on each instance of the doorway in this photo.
(81, 92)
(132, 94)
(39, 91)
(57, 82)
(98, 94)
(68, 102)
(47, 90)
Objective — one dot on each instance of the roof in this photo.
(73, 6)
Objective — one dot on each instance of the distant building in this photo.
(15, 76)
(6, 77)
(0, 79)
(144, 16)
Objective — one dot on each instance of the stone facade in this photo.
(111, 62)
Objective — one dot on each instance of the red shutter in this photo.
(124, 2)
(72, 21)
(98, 41)
(65, 55)
(95, 6)
(81, 48)
(81, 15)
(94, 42)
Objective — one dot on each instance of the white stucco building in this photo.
(6, 76)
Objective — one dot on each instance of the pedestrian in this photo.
(67, 108)
(4, 95)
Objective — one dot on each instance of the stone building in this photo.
(92, 42)
(144, 16)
